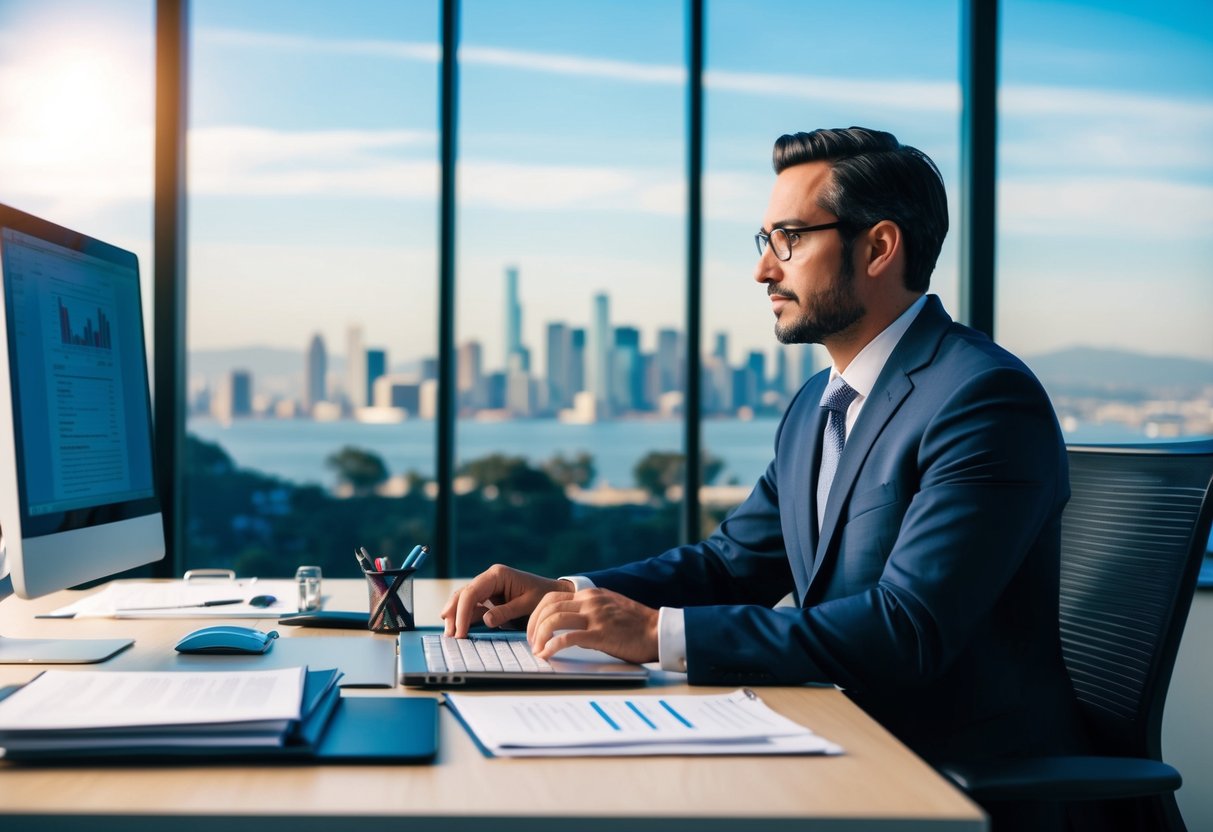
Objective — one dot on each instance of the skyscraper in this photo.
(357, 386)
(598, 355)
(376, 366)
(241, 391)
(315, 372)
(671, 360)
(755, 378)
(576, 361)
(627, 382)
(779, 381)
(513, 316)
(721, 349)
(469, 377)
(559, 376)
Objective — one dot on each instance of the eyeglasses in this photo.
(782, 239)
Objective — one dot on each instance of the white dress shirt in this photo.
(861, 375)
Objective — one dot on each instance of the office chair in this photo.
(1133, 537)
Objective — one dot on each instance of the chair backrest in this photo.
(1133, 537)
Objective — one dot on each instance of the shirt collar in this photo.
(864, 369)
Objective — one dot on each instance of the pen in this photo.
(419, 560)
(364, 560)
(221, 603)
(412, 557)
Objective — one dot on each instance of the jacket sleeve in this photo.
(744, 561)
(985, 488)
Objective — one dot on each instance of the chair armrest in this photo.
(1064, 778)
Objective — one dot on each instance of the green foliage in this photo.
(362, 470)
(578, 471)
(657, 471)
(519, 514)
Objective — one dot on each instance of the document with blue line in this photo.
(612, 725)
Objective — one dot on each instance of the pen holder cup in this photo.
(391, 597)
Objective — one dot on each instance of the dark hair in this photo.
(875, 177)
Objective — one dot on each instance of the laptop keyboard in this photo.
(444, 654)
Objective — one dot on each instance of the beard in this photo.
(827, 312)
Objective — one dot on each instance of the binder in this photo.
(334, 730)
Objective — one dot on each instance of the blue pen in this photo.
(412, 556)
(416, 564)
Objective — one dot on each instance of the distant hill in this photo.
(1090, 367)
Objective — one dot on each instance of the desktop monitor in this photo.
(78, 498)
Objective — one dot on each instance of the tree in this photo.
(363, 470)
(658, 471)
(578, 471)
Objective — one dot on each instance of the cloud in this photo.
(923, 95)
(403, 50)
(1038, 101)
(574, 65)
(399, 164)
(257, 161)
(1107, 206)
(919, 96)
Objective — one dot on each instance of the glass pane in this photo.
(877, 63)
(312, 305)
(1105, 203)
(76, 137)
(571, 282)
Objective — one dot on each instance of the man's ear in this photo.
(885, 247)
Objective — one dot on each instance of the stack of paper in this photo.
(184, 599)
(99, 713)
(568, 726)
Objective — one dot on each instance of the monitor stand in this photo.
(55, 650)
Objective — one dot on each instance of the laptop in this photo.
(429, 659)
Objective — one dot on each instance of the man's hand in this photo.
(595, 618)
(496, 596)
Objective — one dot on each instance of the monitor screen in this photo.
(77, 480)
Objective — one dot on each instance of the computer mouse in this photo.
(227, 639)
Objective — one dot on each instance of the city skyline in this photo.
(596, 371)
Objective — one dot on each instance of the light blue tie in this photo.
(837, 399)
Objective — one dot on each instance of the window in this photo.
(1105, 204)
(312, 291)
(885, 65)
(570, 282)
(76, 87)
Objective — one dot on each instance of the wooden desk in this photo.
(877, 784)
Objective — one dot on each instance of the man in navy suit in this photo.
(912, 507)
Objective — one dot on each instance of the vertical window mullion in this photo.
(692, 415)
(169, 272)
(979, 135)
(445, 416)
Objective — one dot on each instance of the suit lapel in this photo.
(915, 349)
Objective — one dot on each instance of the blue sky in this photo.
(313, 150)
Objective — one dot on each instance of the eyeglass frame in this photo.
(763, 237)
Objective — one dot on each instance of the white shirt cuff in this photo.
(672, 639)
(579, 582)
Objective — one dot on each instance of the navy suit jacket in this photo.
(931, 594)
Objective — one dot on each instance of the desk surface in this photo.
(878, 783)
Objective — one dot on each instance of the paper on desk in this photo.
(59, 700)
(611, 725)
(120, 600)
